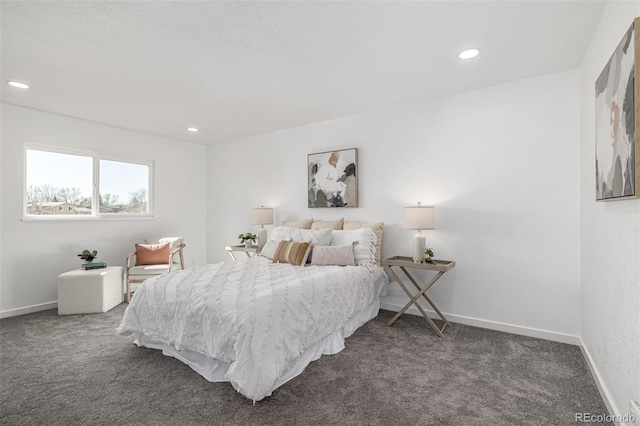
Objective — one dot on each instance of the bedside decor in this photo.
(440, 267)
(88, 256)
(248, 239)
(332, 179)
(419, 217)
(617, 143)
(93, 265)
(262, 216)
(428, 255)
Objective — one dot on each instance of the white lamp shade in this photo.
(420, 217)
(262, 216)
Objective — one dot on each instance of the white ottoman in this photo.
(87, 292)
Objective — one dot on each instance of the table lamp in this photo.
(419, 217)
(262, 216)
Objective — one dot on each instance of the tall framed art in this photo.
(332, 178)
(617, 118)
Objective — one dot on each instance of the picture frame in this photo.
(617, 102)
(332, 178)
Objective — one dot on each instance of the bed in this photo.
(256, 323)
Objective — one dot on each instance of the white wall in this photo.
(610, 247)
(35, 253)
(501, 166)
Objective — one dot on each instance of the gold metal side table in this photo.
(404, 262)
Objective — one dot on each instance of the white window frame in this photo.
(95, 208)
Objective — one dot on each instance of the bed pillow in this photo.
(318, 237)
(364, 252)
(293, 252)
(334, 255)
(333, 224)
(377, 227)
(152, 254)
(174, 242)
(302, 224)
(269, 249)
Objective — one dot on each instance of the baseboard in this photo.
(491, 325)
(28, 309)
(602, 388)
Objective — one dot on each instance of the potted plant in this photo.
(248, 239)
(88, 256)
(428, 255)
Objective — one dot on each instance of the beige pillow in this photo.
(377, 228)
(152, 254)
(295, 253)
(333, 255)
(333, 224)
(302, 224)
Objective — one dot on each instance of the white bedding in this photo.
(255, 318)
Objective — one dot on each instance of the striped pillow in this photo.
(293, 252)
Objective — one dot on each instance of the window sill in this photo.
(82, 218)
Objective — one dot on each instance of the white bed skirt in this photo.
(216, 371)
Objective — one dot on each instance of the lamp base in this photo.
(262, 237)
(419, 246)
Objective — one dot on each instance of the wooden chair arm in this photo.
(180, 247)
(128, 263)
(178, 250)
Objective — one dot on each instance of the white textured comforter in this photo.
(253, 314)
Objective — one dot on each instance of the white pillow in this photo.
(317, 237)
(365, 250)
(269, 249)
(377, 228)
(174, 242)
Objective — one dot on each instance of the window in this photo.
(76, 183)
(123, 187)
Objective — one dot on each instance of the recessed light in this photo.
(468, 54)
(192, 129)
(18, 84)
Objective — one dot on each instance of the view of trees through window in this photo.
(59, 183)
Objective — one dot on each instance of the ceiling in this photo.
(239, 68)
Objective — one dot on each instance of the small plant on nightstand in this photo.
(248, 239)
(428, 255)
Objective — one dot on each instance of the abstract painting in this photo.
(332, 178)
(617, 117)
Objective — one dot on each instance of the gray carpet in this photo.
(75, 370)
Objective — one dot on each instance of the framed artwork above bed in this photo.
(617, 118)
(332, 178)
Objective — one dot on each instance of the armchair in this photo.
(152, 260)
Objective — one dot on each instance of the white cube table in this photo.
(88, 292)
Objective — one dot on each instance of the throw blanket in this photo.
(253, 314)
